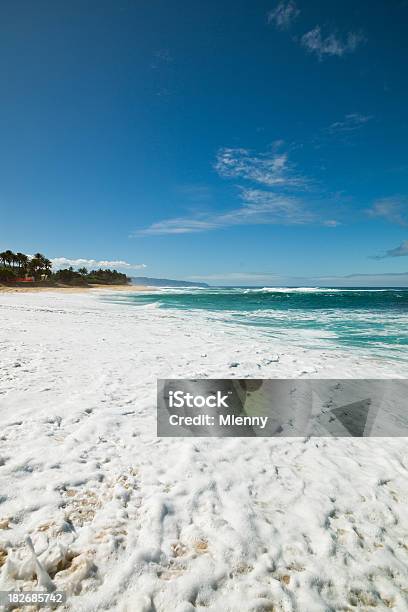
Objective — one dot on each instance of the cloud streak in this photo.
(399, 251)
(330, 45)
(179, 225)
(62, 262)
(270, 192)
(258, 208)
(350, 123)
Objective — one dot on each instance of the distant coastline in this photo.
(146, 281)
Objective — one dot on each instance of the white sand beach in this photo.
(124, 521)
(10, 288)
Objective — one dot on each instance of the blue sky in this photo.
(245, 142)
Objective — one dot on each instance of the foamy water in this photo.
(372, 320)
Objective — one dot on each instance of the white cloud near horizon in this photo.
(330, 45)
(283, 15)
(385, 279)
(61, 262)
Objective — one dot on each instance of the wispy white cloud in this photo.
(271, 169)
(259, 207)
(273, 194)
(314, 41)
(62, 262)
(393, 209)
(330, 45)
(283, 15)
(270, 207)
(350, 123)
(180, 225)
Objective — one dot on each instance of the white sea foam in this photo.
(124, 521)
(249, 290)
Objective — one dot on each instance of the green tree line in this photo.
(19, 265)
(16, 265)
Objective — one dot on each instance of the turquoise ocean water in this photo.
(374, 320)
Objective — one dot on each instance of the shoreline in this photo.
(72, 289)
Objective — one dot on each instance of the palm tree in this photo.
(9, 257)
(41, 258)
(39, 263)
(47, 265)
(22, 261)
(34, 266)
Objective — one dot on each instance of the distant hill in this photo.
(164, 282)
